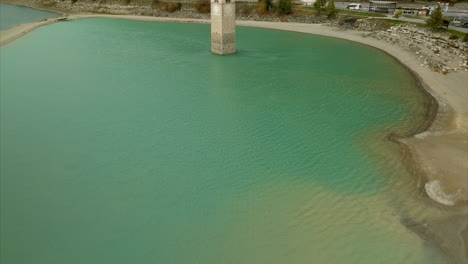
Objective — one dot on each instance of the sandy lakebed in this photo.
(438, 150)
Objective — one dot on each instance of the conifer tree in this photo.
(318, 6)
(284, 7)
(331, 10)
(436, 20)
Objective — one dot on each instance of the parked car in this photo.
(459, 22)
(354, 6)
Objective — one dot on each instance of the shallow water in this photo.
(12, 15)
(129, 142)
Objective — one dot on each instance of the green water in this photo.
(129, 142)
(12, 15)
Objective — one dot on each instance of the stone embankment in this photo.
(434, 50)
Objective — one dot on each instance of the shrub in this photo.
(264, 6)
(331, 10)
(245, 8)
(269, 4)
(203, 6)
(436, 19)
(318, 4)
(172, 6)
(454, 36)
(317, 7)
(465, 38)
(284, 7)
(48, 3)
(398, 13)
(155, 4)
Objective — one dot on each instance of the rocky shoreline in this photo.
(434, 50)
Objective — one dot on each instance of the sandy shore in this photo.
(439, 153)
(13, 33)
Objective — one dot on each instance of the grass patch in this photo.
(203, 6)
(171, 7)
(357, 13)
(413, 17)
(456, 32)
(395, 22)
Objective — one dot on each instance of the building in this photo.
(308, 2)
(382, 6)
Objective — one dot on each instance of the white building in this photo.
(308, 2)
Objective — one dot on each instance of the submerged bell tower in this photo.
(223, 27)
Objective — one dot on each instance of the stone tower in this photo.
(223, 27)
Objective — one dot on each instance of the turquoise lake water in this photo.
(12, 15)
(129, 142)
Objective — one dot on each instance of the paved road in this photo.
(464, 30)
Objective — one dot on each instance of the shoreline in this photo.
(13, 33)
(437, 149)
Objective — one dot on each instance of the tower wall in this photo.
(223, 27)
